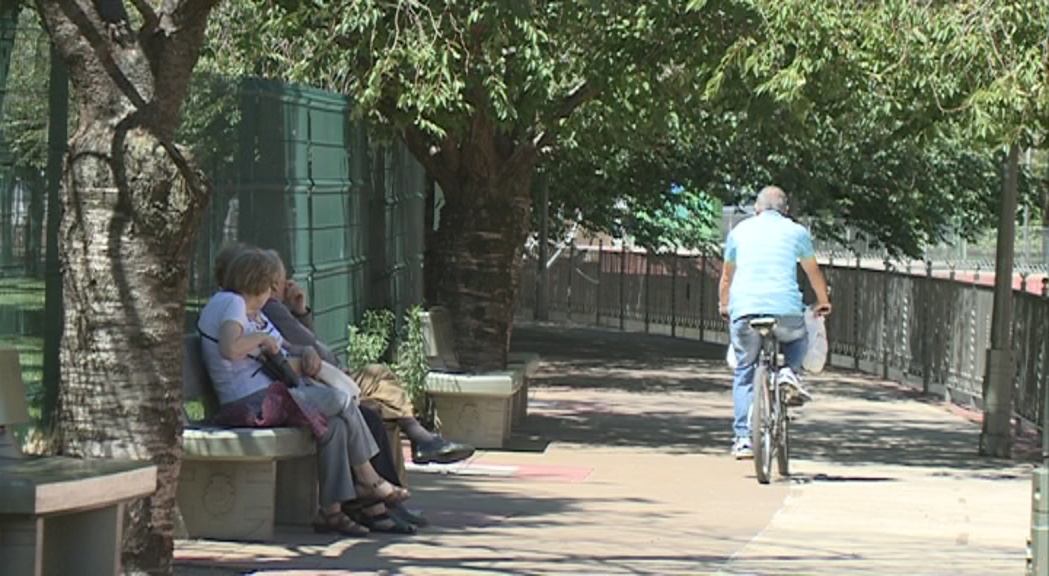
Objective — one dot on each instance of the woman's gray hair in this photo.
(771, 198)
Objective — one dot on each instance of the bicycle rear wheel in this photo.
(761, 425)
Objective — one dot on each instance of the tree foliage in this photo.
(882, 116)
(684, 220)
(481, 92)
(25, 112)
(887, 116)
(891, 115)
(525, 65)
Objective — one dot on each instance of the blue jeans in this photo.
(746, 343)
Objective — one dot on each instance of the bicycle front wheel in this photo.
(761, 425)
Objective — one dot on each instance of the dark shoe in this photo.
(440, 451)
(409, 516)
(377, 518)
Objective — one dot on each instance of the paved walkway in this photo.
(622, 468)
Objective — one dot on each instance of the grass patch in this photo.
(194, 410)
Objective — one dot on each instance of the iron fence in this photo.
(910, 326)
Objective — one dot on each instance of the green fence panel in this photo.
(338, 253)
(404, 197)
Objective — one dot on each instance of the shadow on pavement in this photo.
(455, 506)
(667, 382)
(667, 431)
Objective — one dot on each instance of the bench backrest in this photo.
(439, 340)
(196, 385)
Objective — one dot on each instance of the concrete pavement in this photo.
(622, 468)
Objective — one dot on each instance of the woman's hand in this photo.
(269, 344)
(311, 361)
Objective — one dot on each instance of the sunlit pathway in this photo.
(622, 468)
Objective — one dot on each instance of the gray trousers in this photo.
(348, 442)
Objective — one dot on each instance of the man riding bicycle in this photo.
(759, 278)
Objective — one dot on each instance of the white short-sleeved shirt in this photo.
(232, 379)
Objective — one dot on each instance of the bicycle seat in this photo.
(765, 322)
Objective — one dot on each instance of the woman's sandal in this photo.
(339, 523)
(392, 494)
(378, 519)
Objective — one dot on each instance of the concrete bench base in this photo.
(236, 484)
(475, 408)
(528, 364)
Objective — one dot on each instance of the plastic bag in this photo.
(730, 357)
(816, 355)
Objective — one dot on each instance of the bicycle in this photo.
(769, 421)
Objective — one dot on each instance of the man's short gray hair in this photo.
(771, 198)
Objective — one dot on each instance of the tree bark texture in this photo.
(473, 259)
(132, 203)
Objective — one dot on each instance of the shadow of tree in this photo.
(668, 431)
(454, 505)
(864, 430)
(594, 346)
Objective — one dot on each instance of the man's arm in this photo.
(295, 301)
(293, 332)
(819, 284)
(728, 269)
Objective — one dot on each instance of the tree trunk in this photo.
(132, 205)
(473, 259)
(476, 259)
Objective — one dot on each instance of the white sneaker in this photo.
(741, 449)
(798, 394)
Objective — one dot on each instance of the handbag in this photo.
(276, 366)
(272, 364)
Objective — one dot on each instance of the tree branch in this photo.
(436, 161)
(187, 13)
(173, 47)
(582, 94)
(149, 15)
(527, 152)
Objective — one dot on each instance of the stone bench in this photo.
(478, 409)
(237, 483)
(59, 515)
(64, 515)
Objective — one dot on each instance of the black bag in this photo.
(276, 366)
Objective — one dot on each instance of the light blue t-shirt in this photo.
(766, 250)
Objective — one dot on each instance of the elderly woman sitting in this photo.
(234, 334)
